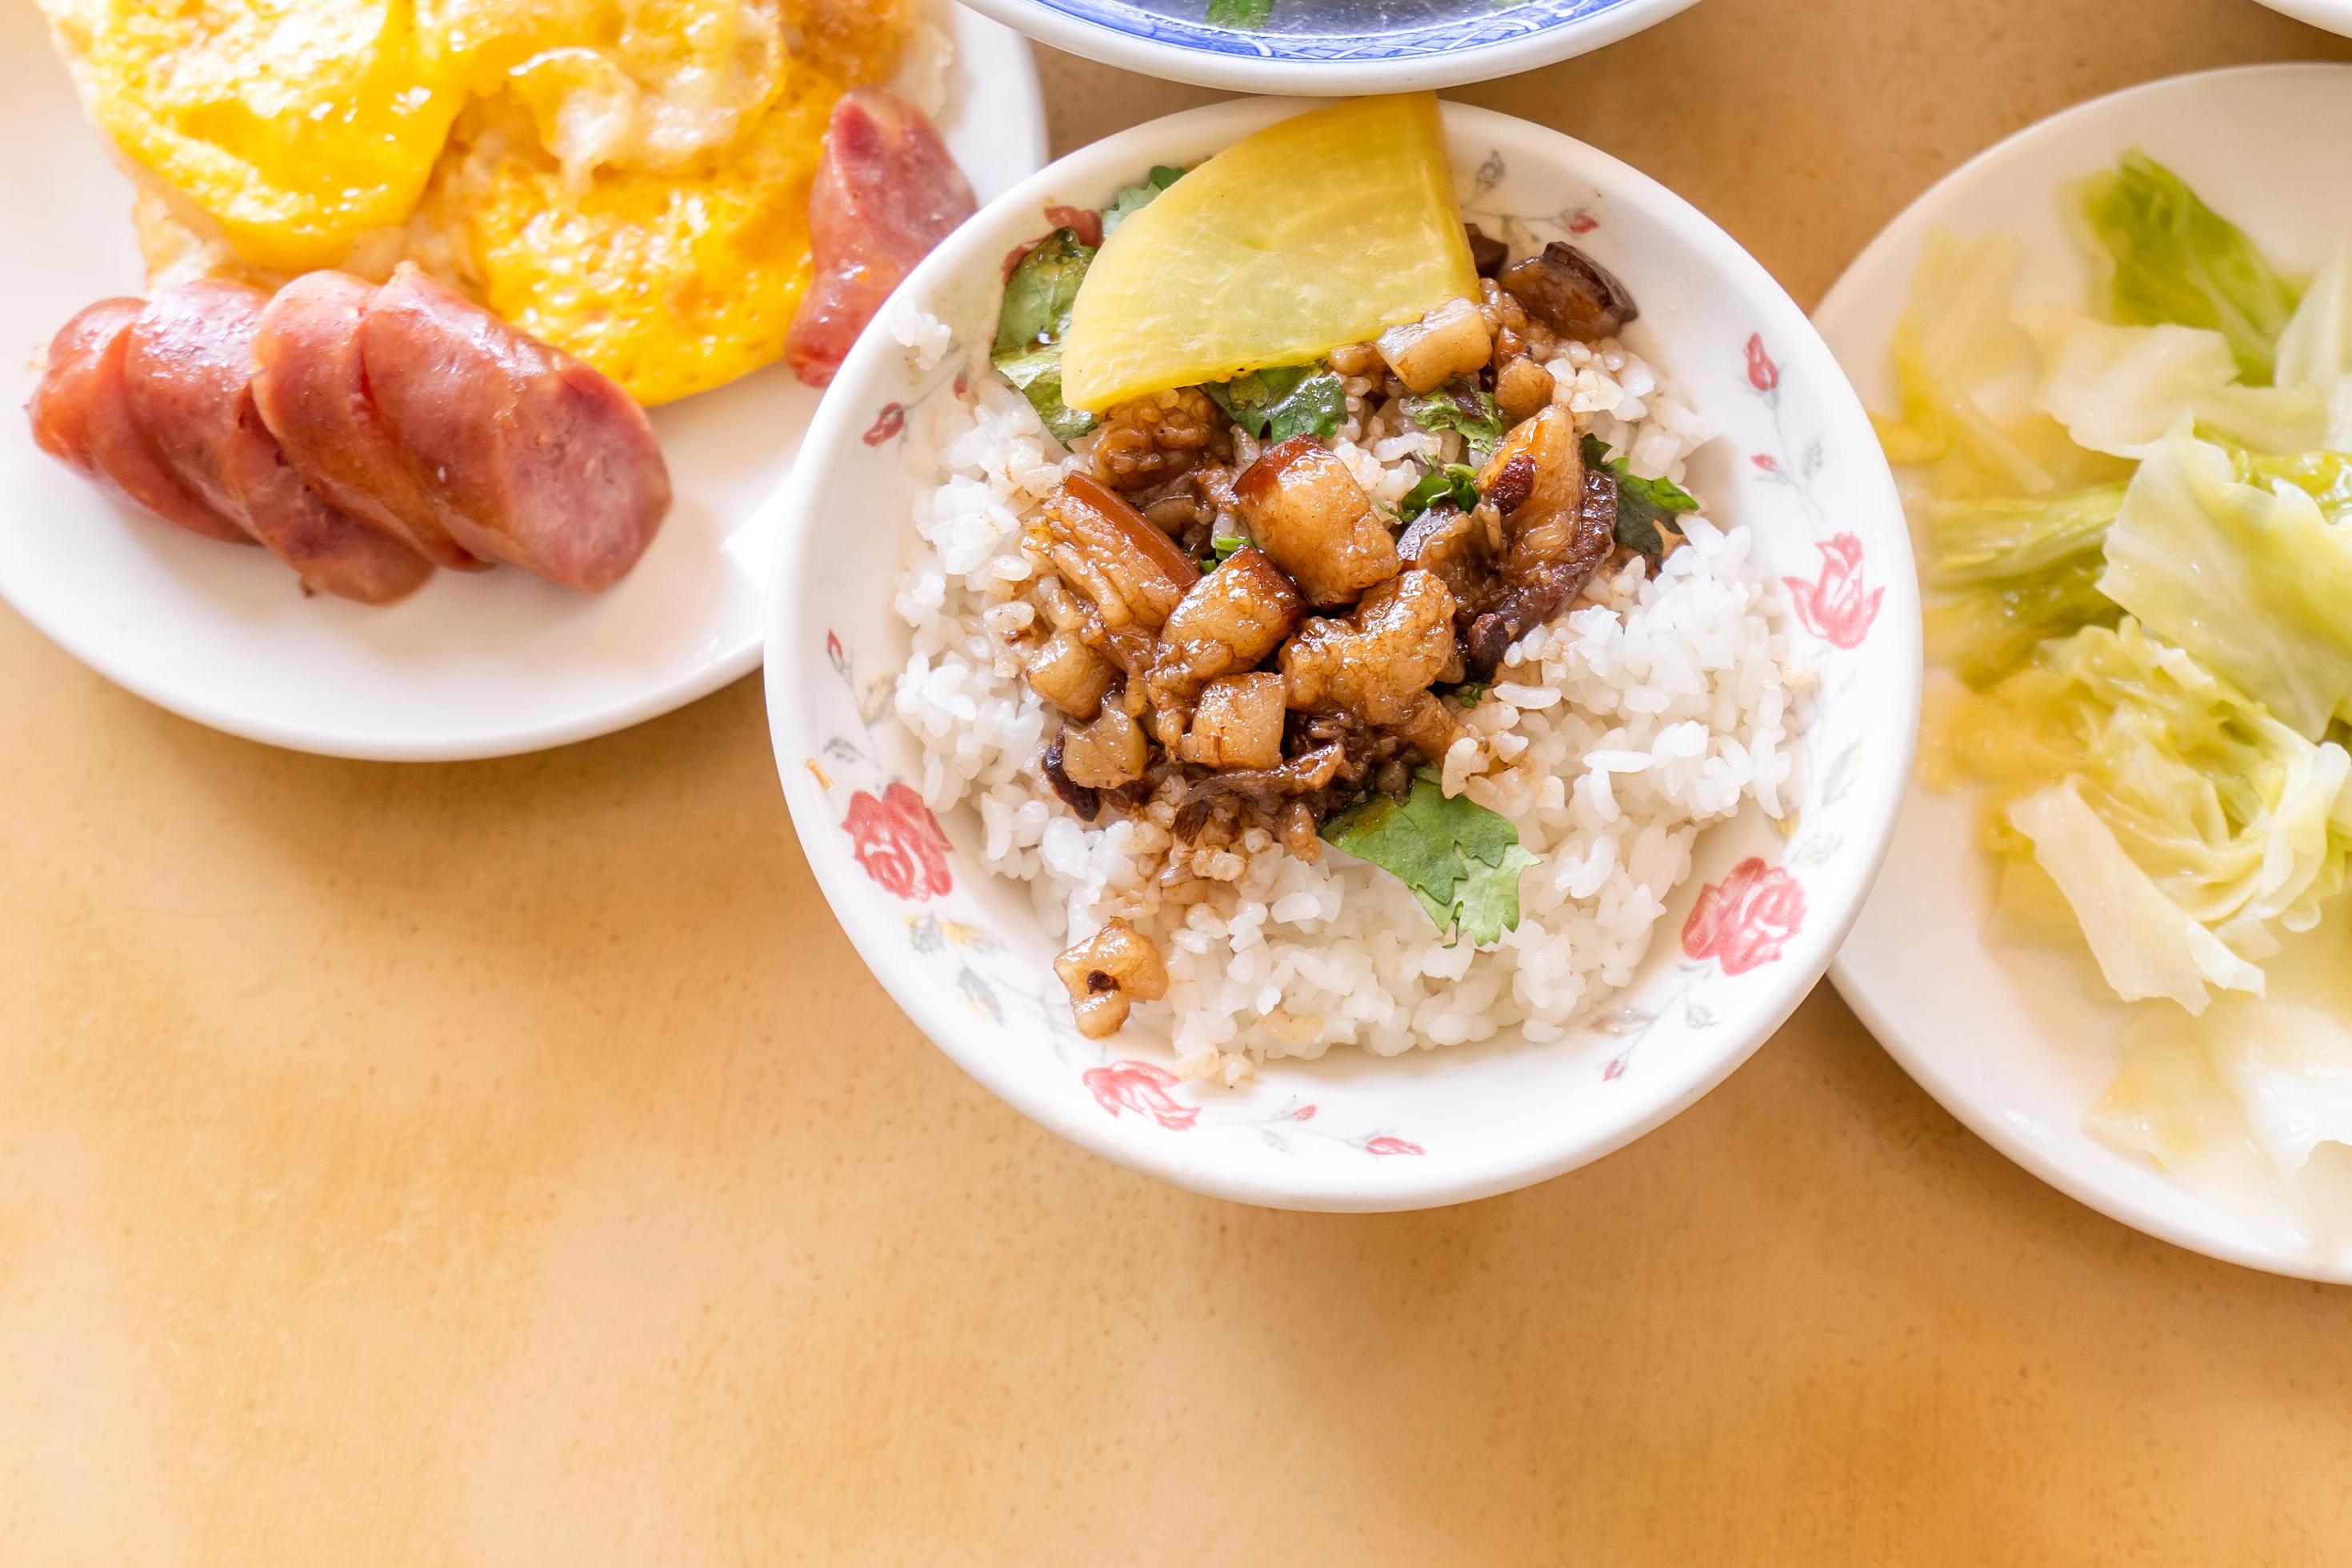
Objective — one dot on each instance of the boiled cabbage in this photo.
(2147, 946)
(2316, 350)
(2251, 1105)
(2239, 820)
(2001, 540)
(2147, 580)
(2167, 256)
(2020, 570)
(2120, 389)
(2254, 580)
(1963, 368)
(2169, 1103)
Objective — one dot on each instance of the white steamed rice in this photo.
(1609, 737)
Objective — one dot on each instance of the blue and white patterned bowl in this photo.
(1330, 49)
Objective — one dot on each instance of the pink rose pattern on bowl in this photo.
(903, 851)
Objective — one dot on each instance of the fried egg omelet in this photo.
(625, 179)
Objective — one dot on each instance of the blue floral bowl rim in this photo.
(1496, 40)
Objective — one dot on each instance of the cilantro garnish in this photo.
(1641, 504)
(1133, 199)
(1458, 405)
(1276, 404)
(1456, 482)
(1461, 861)
(1240, 13)
(1036, 312)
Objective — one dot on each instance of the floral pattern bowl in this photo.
(1330, 47)
(1745, 938)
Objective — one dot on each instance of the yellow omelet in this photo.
(295, 125)
(625, 179)
(669, 282)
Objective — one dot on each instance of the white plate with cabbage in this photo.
(2113, 361)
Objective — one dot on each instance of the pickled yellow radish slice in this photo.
(1316, 232)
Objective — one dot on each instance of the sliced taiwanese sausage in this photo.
(187, 384)
(60, 408)
(312, 388)
(80, 418)
(531, 457)
(885, 192)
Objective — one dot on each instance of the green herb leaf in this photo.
(1288, 400)
(1036, 312)
(1458, 405)
(1641, 504)
(1461, 861)
(1454, 482)
(1038, 374)
(1133, 199)
(1471, 693)
(2170, 258)
(1039, 294)
(1251, 14)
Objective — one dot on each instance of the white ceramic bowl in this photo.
(962, 952)
(1474, 40)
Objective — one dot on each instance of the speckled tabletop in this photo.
(512, 1164)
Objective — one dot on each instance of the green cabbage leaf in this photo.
(2252, 579)
(2167, 256)
(2236, 820)
(2118, 390)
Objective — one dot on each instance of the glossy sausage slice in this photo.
(80, 418)
(312, 388)
(884, 194)
(187, 377)
(60, 409)
(532, 457)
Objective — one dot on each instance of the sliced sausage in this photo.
(187, 377)
(530, 456)
(885, 192)
(79, 418)
(60, 408)
(312, 388)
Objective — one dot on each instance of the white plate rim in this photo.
(2327, 15)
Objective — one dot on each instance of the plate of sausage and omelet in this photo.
(404, 378)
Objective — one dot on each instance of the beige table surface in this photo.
(512, 1164)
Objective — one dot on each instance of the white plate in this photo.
(2009, 1037)
(471, 666)
(2335, 15)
